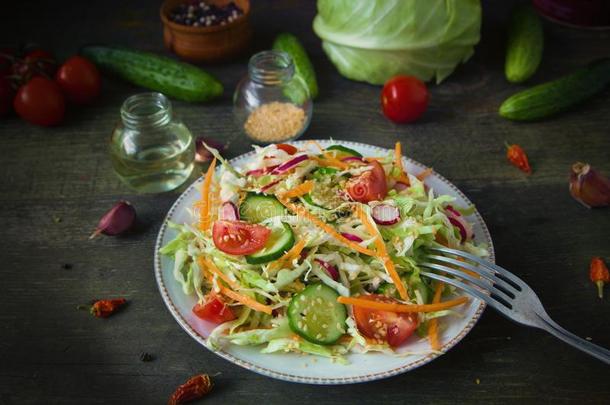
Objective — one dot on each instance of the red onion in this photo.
(284, 167)
(268, 186)
(460, 223)
(385, 214)
(400, 186)
(202, 155)
(351, 236)
(229, 211)
(119, 219)
(330, 269)
(260, 172)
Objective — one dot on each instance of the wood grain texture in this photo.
(55, 183)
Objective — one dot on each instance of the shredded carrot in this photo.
(299, 190)
(401, 308)
(294, 252)
(433, 323)
(382, 251)
(332, 162)
(328, 229)
(402, 177)
(243, 299)
(209, 264)
(247, 301)
(204, 212)
(427, 172)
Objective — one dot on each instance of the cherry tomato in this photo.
(214, 310)
(289, 149)
(238, 237)
(40, 102)
(79, 79)
(6, 96)
(368, 186)
(404, 99)
(392, 327)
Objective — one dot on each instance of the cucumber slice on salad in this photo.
(280, 241)
(316, 316)
(344, 151)
(307, 198)
(258, 207)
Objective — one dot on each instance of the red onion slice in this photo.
(229, 211)
(330, 269)
(400, 186)
(261, 172)
(351, 236)
(270, 185)
(460, 223)
(385, 214)
(353, 159)
(284, 167)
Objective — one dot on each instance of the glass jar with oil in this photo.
(151, 150)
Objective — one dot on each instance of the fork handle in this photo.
(594, 350)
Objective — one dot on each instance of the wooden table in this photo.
(56, 183)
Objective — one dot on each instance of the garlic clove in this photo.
(117, 220)
(588, 186)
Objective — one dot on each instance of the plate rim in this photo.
(302, 379)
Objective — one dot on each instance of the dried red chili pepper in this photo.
(196, 387)
(598, 273)
(105, 308)
(516, 155)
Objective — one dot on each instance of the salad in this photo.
(318, 252)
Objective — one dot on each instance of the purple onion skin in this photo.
(117, 220)
(289, 164)
(330, 269)
(351, 237)
(377, 214)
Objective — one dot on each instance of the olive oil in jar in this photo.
(151, 151)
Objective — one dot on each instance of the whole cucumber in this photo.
(558, 95)
(172, 78)
(304, 68)
(525, 44)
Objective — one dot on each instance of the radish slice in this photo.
(351, 236)
(352, 159)
(270, 185)
(260, 172)
(460, 223)
(330, 269)
(385, 214)
(284, 167)
(229, 211)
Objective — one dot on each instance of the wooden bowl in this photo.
(207, 44)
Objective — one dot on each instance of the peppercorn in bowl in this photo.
(206, 31)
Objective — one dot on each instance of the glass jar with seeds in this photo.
(272, 104)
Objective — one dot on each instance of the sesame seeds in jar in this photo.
(275, 122)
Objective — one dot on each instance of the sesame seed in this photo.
(319, 300)
(319, 288)
(315, 317)
(324, 326)
(319, 336)
(275, 121)
(302, 298)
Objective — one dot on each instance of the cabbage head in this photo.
(373, 40)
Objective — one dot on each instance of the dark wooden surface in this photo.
(55, 183)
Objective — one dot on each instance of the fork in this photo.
(504, 292)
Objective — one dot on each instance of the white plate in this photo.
(306, 368)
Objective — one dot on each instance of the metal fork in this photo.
(504, 292)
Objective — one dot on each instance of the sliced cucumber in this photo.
(345, 151)
(280, 241)
(258, 207)
(316, 316)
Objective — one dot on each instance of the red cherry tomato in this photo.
(404, 99)
(79, 79)
(40, 102)
(6, 96)
(289, 149)
(394, 328)
(238, 237)
(214, 310)
(368, 186)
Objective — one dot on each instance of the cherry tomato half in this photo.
(40, 102)
(79, 79)
(368, 186)
(404, 99)
(289, 149)
(394, 328)
(214, 310)
(238, 237)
